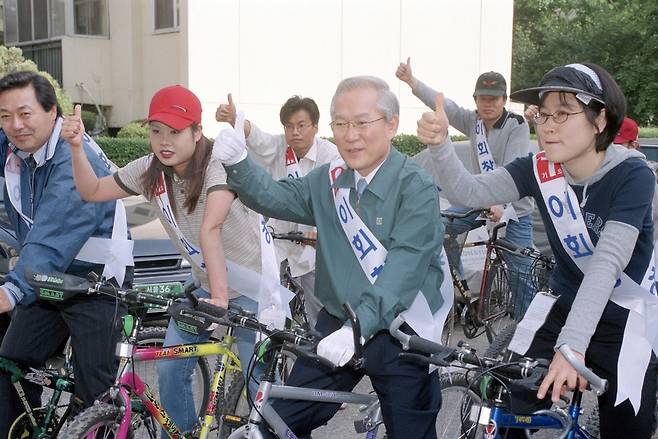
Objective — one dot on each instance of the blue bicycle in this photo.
(481, 394)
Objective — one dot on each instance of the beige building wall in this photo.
(265, 51)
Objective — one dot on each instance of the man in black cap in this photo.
(497, 137)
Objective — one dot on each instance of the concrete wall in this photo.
(123, 71)
(264, 52)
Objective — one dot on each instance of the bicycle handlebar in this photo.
(522, 251)
(293, 236)
(455, 215)
(442, 356)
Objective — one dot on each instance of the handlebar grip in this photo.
(427, 346)
(210, 309)
(598, 384)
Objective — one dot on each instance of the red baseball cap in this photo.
(627, 132)
(175, 106)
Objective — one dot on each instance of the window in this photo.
(166, 14)
(33, 20)
(90, 17)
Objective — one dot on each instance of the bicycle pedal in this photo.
(234, 420)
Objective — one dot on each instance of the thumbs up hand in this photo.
(433, 125)
(230, 145)
(73, 129)
(226, 112)
(404, 73)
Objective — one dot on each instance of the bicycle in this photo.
(481, 415)
(303, 343)
(46, 421)
(131, 406)
(484, 311)
(297, 304)
(532, 269)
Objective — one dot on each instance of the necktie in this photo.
(360, 187)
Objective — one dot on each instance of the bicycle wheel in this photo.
(22, 427)
(498, 347)
(497, 306)
(101, 421)
(457, 400)
(148, 370)
(233, 408)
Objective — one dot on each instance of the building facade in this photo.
(116, 53)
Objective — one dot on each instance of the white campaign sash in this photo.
(116, 253)
(241, 279)
(641, 331)
(293, 170)
(292, 164)
(371, 255)
(487, 164)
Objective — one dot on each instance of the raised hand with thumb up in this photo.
(230, 145)
(433, 125)
(226, 112)
(73, 129)
(404, 73)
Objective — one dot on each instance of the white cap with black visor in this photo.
(572, 78)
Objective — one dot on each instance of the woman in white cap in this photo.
(595, 200)
(188, 188)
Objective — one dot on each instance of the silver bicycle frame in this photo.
(272, 418)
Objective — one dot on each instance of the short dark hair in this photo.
(296, 103)
(615, 106)
(43, 89)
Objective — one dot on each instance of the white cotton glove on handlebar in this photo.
(230, 145)
(337, 347)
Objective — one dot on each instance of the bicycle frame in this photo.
(263, 409)
(129, 383)
(59, 381)
(499, 418)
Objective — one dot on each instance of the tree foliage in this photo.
(620, 35)
(12, 60)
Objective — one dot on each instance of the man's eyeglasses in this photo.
(558, 117)
(341, 126)
(300, 127)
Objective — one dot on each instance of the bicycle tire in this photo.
(100, 420)
(22, 427)
(233, 405)
(147, 370)
(497, 306)
(498, 347)
(457, 399)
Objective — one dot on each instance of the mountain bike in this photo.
(478, 403)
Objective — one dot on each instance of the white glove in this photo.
(337, 347)
(230, 145)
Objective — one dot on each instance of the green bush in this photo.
(134, 129)
(408, 143)
(89, 119)
(648, 132)
(123, 150)
(12, 60)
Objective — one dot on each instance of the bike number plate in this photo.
(161, 289)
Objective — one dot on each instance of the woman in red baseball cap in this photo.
(203, 219)
(595, 199)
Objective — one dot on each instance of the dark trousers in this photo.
(601, 356)
(410, 397)
(37, 330)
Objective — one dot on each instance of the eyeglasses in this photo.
(558, 117)
(341, 126)
(300, 127)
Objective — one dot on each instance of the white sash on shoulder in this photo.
(487, 164)
(116, 253)
(263, 288)
(641, 331)
(371, 255)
